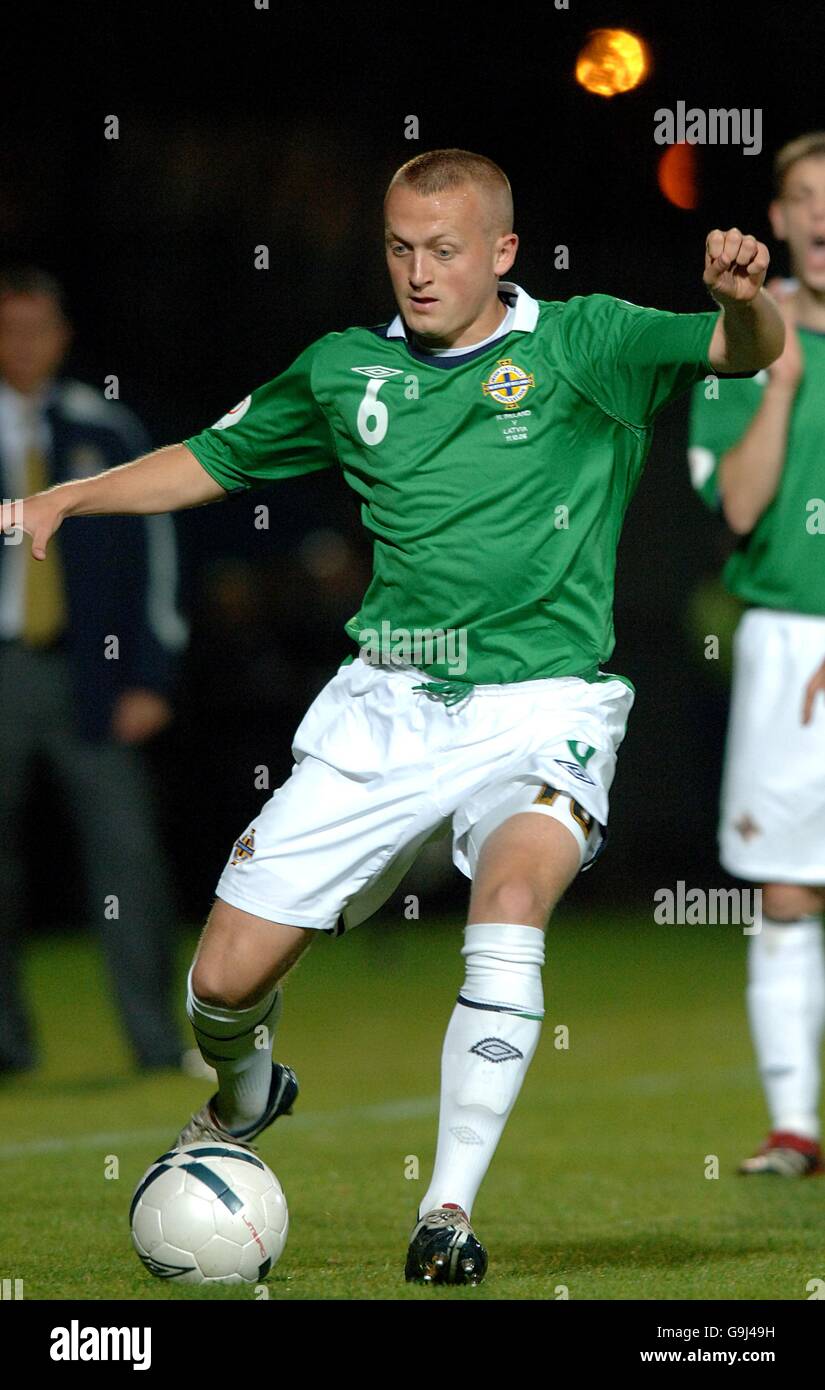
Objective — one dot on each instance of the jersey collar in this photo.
(526, 316)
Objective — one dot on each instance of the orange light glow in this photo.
(612, 60)
(677, 175)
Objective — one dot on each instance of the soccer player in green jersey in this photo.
(756, 452)
(495, 441)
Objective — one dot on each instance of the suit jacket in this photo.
(121, 572)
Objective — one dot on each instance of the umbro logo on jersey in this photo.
(378, 371)
(508, 384)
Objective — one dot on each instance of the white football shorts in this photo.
(772, 815)
(380, 768)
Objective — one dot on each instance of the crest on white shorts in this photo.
(244, 848)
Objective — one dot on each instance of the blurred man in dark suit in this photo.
(88, 654)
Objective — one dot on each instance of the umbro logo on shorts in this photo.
(576, 771)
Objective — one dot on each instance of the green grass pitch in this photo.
(598, 1188)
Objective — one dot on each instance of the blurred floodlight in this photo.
(325, 553)
(677, 175)
(612, 60)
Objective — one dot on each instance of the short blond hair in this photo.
(803, 147)
(437, 170)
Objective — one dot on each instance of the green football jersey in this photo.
(494, 482)
(781, 563)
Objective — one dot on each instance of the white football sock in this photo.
(234, 1043)
(786, 1006)
(490, 1041)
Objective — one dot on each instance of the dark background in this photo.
(241, 127)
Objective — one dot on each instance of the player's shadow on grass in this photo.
(665, 1251)
(68, 1086)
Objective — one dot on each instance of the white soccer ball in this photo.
(209, 1213)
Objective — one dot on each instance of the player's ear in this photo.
(506, 248)
(776, 213)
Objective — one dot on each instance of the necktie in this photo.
(44, 599)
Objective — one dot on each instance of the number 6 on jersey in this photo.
(371, 408)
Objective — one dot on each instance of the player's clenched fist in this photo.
(735, 265)
(39, 516)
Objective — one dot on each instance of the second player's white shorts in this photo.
(380, 768)
(772, 820)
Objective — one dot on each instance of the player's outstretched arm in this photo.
(750, 471)
(815, 686)
(165, 481)
(750, 333)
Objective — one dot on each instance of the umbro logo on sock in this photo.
(496, 1050)
(465, 1135)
